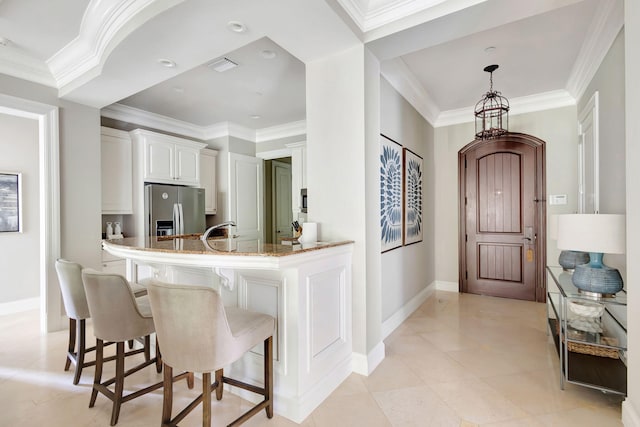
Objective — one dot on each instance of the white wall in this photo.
(556, 127)
(408, 270)
(19, 251)
(631, 406)
(609, 82)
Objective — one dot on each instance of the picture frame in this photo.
(391, 200)
(412, 197)
(10, 202)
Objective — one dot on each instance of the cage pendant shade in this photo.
(492, 111)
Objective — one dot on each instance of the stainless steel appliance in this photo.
(171, 209)
(303, 198)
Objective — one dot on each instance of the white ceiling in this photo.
(433, 51)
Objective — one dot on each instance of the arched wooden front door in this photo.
(502, 217)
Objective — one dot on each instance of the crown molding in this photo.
(281, 131)
(402, 79)
(368, 17)
(155, 121)
(17, 64)
(237, 131)
(104, 25)
(606, 25)
(219, 130)
(521, 105)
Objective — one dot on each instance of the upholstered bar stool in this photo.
(118, 316)
(197, 334)
(75, 305)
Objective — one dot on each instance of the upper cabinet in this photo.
(208, 180)
(169, 160)
(116, 168)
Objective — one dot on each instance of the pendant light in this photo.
(492, 111)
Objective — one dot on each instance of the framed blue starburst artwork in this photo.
(391, 206)
(412, 197)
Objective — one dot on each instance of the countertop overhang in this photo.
(189, 250)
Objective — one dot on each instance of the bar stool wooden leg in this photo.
(167, 401)
(72, 342)
(81, 333)
(147, 348)
(190, 380)
(268, 376)
(206, 399)
(98, 374)
(119, 386)
(158, 358)
(219, 384)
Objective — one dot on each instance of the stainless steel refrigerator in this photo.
(171, 209)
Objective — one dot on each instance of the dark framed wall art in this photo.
(413, 171)
(391, 206)
(10, 202)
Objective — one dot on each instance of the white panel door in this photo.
(246, 196)
(281, 191)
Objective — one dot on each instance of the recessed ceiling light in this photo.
(490, 49)
(222, 64)
(4, 41)
(236, 27)
(268, 54)
(178, 89)
(166, 63)
(255, 116)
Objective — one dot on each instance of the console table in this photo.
(593, 351)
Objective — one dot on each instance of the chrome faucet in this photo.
(205, 235)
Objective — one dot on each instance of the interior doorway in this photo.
(278, 199)
(52, 316)
(502, 242)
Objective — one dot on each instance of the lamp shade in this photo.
(599, 233)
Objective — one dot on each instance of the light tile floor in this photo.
(459, 360)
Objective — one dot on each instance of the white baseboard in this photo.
(19, 306)
(447, 286)
(396, 319)
(630, 416)
(365, 364)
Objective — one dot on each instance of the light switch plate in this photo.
(558, 199)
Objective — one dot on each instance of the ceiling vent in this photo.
(222, 64)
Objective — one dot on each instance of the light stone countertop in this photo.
(191, 244)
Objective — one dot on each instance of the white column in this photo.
(631, 406)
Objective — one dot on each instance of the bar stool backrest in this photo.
(192, 328)
(113, 307)
(73, 294)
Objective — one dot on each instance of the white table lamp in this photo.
(597, 234)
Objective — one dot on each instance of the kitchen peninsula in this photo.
(306, 288)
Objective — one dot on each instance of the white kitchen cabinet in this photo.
(168, 159)
(208, 160)
(113, 265)
(116, 169)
